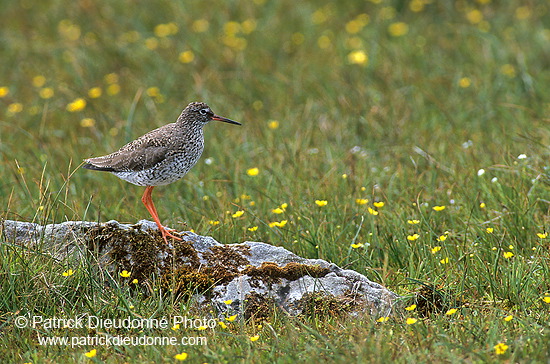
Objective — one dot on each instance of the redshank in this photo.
(161, 156)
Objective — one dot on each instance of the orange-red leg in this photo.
(150, 206)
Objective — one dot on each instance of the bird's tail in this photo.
(93, 167)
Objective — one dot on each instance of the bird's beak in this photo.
(225, 120)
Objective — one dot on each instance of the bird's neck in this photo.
(190, 127)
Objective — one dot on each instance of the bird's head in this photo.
(199, 111)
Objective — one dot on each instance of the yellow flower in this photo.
(542, 235)
(435, 249)
(413, 222)
(482, 205)
(411, 307)
(200, 25)
(135, 281)
(321, 15)
(91, 353)
(273, 124)
(153, 91)
(231, 28)
(372, 211)
(4, 91)
(361, 201)
(439, 208)
(321, 203)
(151, 43)
(509, 318)
(231, 318)
(253, 228)
(379, 204)
(444, 261)
(201, 328)
(278, 210)
(324, 42)
(277, 223)
(442, 238)
(508, 70)
(113, 89)
(413, 237)
(222, 324)
(465, 82)
(214, 222)
(353, 26)
(411, 321)
(125, 274)
(500, 348)
(398, 29)
(253, 171)
(297, 38)
(489, 230)
(228, 302)
(77, 105)
(523, 12)
(358, 57)
(254, 338)
(383, 319)
(95, 92)
(508, 255)
(238, 214)
(474, 16)
(161, 30)
(15, 108)
(452, 311)
(176, 327)
(46, 93)
(186, 56)
(87, 122)
(546, 299)
(38, 81)
(357, 245)
(68, 273)
(180, 356)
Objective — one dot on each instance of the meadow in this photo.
(407, 140)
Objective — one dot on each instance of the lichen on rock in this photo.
(255, 277)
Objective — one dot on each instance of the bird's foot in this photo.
(167, 233)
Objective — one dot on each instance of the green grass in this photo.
(466, 88)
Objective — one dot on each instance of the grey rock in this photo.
(255, 276)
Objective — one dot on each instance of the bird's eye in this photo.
(203, 111)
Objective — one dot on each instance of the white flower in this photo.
(494, 179)
(522, 156)
(481, 172)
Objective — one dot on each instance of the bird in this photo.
(161, 156)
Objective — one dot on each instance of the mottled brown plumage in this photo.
(161, 156)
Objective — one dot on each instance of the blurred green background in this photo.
(394, 101)
(406, 104)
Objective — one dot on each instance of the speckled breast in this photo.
(169, 170)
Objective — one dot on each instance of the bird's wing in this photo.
(138, 155)
(128, 160)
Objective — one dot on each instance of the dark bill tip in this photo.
(225, 120)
